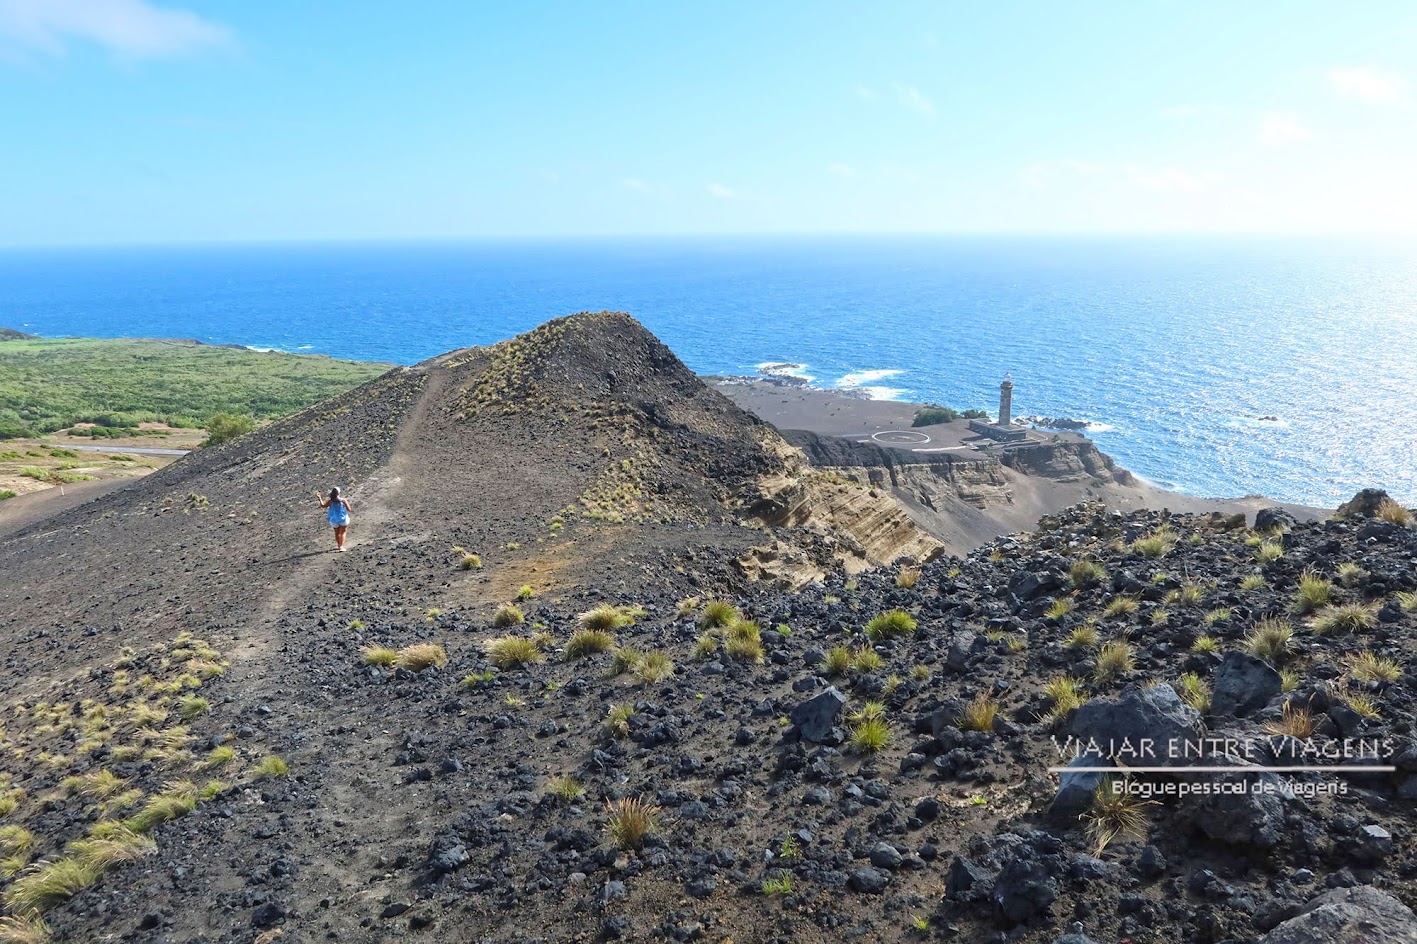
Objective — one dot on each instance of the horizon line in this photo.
(1389, 238)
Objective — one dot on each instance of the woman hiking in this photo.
(338, 515)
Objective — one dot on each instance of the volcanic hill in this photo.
(608, 659)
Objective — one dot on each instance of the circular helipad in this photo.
(900, 437)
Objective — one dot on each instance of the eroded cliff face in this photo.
(1067, 461)
(975, 478)
(855, 524)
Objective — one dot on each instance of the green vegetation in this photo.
(422, 656)
(1313, 592)
(587, 642)
(1269, 640)
(1156, 544)
(891, 625)
(1084, 637)
(1345, 618)
(1393, 513)
(1061, 607)
(511, 652)
(1194, 691)
(605, 618)
(1296, 722)
(838, 660)
(565, 788)
(980, 714)
(1085, 572)
(50, 383)
(1114, 659)
(631, 820)
(717, 613)
(1115, 814)
(379, 655)
(782, 885)
(508, 614)
(931, 415)
(224, 427)
(870, 735)
(1368, 667)
(1065, 692)
(1121, 605)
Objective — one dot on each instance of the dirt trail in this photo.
(331, 752)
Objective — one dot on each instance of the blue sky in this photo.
(132, 121)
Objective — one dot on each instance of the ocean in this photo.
(1180, 349)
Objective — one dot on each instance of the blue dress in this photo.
(339, 514)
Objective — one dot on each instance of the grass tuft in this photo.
(605, 619)
(869, 735)
(838, 660)
(980, 714)
(1345, 618)
(654, 667)
(1313, 592)
(1121, 605)
(891, 625)
(508, 614)
(866, 660)
(1295, 721)
(379, 655)
(1157, 544)
(631, 820)
(1113, 659)
(588, 642)
(1114, 815)
(1084, 637)
(1393, 513)
(1060, 607)
(511, 652)
(47, 884)
(717, 613)
(1085, 572)
(24, 928)
(744, 641)
(565, 788)
(1270, 640)
(617, 720)
(271, 766)
(1365, 666)
(1194, 691)
(423, 655)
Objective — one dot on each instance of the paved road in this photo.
(134, 449)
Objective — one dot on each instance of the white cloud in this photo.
(722, 192)
(132, 29)
(1168, 178)
(1192, 111)
(842, 169)
(1277, 128)
(914, 99)
(1369, 86)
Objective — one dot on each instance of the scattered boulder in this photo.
(871, 881)
(1364, 504)
(1024, 890)
(1139, 726)
(1267, 519)
(816, 716)
(1076, 788)
(1252, 817)
(1348, 916)
(1243, 685)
